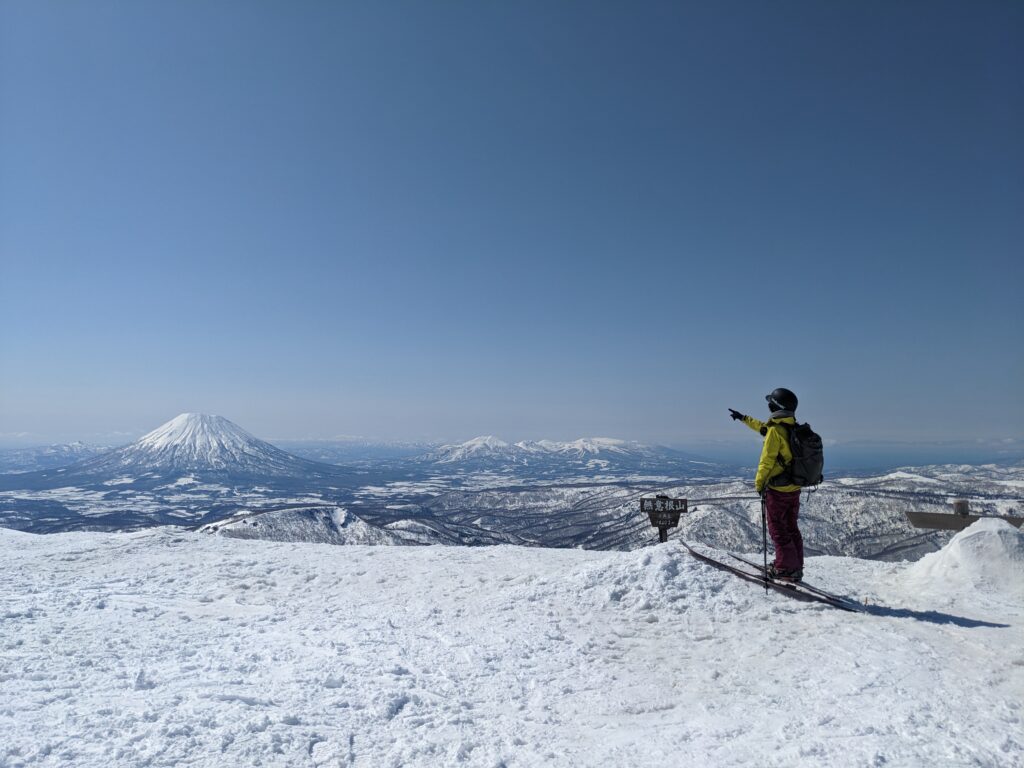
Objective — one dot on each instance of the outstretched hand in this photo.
(736, 415)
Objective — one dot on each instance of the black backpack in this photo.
(808, 456)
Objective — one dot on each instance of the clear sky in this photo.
(532, 219)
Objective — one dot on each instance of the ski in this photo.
(799, 584)
(788, 590)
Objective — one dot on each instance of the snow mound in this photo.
(657, 578)
(987, 557)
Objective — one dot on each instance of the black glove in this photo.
(736, 415)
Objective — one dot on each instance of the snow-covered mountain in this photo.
(193, 468)
(38, 457)
(197, 442)
(590, 446)
(547, 458)
(491, 447)
(189, 445)
(484, 447)
(200, 441)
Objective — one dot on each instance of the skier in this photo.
(779, 497)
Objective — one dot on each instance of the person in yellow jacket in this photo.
(781, 496)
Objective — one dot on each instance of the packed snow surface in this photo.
(165, 648)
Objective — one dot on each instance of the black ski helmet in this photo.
(781, 399)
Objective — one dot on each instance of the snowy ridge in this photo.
(322, 524)
(486, 446)
(256, 652)
(490, 447)
(586, 445)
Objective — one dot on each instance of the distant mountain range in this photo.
(46, 456)
(199, 469)
(205, 471)
(218, 449)
(545, 458)
(493, 448)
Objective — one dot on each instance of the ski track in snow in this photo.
(164, 648)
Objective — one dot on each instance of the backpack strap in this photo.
(785, 477)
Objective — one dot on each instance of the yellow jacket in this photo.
(774, 453)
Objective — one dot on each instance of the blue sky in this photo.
(443, 219)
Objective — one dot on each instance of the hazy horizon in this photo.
(742, 449)
(739, 435)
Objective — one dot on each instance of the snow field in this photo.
(165, 648)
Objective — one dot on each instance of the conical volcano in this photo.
(198, 441)
(196, 445)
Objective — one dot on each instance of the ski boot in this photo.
(781, 574)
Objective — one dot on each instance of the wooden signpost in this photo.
(663, 513)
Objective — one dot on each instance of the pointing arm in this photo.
(754, 424)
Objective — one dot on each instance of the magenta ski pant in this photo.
(782, 508)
